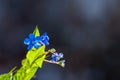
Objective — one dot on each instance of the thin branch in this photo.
(50, 61)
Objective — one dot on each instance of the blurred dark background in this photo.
(86, 31)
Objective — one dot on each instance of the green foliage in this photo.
(36, 56)
(7, 76)
(36, 31)
(34, 60)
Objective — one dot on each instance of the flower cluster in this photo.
(36, 55)
(36, 41)
(56, 57)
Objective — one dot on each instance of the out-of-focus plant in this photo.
(35, 57)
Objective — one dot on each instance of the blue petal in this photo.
(31, 36)
(38, 39)
(54, 55)
(27, 41)
(54, 60)
(60, 55)
(42, 37)
(44, 33)
(57, 58)
(29, 47)
(37, 45)
(46, 42)
(45, 36)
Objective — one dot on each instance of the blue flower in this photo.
(56, 57)
(36, 41)
(32, 41)
(45, 39)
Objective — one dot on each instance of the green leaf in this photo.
(34, 59)
(39, 61)
(25, 73)
(30, 73)
(36, 31)
(7, 76)
(40, 56)
(33, 55)
(21, 73)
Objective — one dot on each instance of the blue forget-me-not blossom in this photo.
(56, 57)
(36, 41)
(44, 39)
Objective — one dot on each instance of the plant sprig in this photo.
(35, 57)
